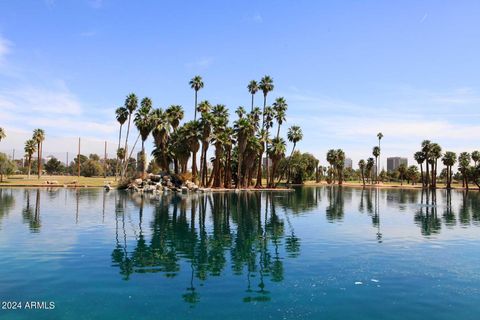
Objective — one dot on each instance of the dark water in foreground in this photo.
(314, 253)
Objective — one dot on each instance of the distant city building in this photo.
(394, 162)
(348, 163)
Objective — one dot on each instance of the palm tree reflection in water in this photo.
(238, 226)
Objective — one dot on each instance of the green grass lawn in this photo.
(22, 180)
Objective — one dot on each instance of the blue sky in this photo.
(348, 69)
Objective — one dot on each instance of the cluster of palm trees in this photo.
(431, 153)
(366, 167)
(33, 145)
(238, 148)
(336, 159)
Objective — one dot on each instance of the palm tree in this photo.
(279, 108)
(122, 115)
(294, 135)
(426, 146)
(379, 136)
(161, 124)
(402, 170)
(276, 152)
(449, 159)
(266, 85)
(476, 157)
(143, 122)
(376, 154)
(244, 129)
(131, 103)
(205, 123)
(30, 148)
(419, 156)
(196, 84)
(370, 165)
(220, 122)
(361, 166)
(435, 154)
(175, 114)
(340, 164)
(463, 166)
(2, 134)
(252, 88)
(193, 134)
(39, 137)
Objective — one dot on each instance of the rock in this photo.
(155, 177)
(149, 188)
(166, 189)
(138, 182)
(107, 187)
(184, 189)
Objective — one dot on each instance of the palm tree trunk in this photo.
(421, 174)
(116, 162)
(202, 168)
(195, 118)
(39, 160)
(194, 166)
(288, 164)
(144, 160)
(29, 165)
(126, 145)
(427, 181)
(252, 101)
(258, 184)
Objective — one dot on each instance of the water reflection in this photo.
(240, 230)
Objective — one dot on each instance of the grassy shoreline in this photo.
(22, 181)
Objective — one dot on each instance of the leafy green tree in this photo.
(7, 166)
(301, 165)
(54, 166)
(402, 171)
(2, 134)
(91, 168)
(412, 174)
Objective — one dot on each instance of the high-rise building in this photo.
(348, 163)
(394, 162)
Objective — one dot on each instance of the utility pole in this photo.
(78, 159)
(105, 161)
(13, 155)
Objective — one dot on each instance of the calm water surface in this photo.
(314, 253)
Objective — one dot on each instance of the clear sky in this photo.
(348, 69)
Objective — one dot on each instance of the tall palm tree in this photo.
(280, 108)
(205, 123)
(122, 115)
(435, 154)
(30, 148)
(161, 124)
(361, 166)
(331, 159)
(419, 156)
(131, 103)
(294, 135)
(252, 88)
(276, 152)
(340, 164)
(2, 134)
(376, 154)
(426, 147)
(144, 123)
(379, 136)
(369, 167)
(196, 83)
(39, 137)
(220, 122)
(463, 166)
(268, 124)
(193, 136)
(476, 157)
(448, 160)
(175, 114)
(266, 85)
(244, 129)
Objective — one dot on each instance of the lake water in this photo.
(327, 252)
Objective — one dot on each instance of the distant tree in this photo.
(7, 166)
(54, 166)
(476, 157)
(402, 171)
(302, 166)
(463, 166)
(91, 168)
(30, 148)
(449, 159)
(39, 137)
(252, 88)
(412, 174)
(361, 166)
(2, 134)
(376, 154)
(419, 156)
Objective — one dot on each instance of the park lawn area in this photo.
(23, 181)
